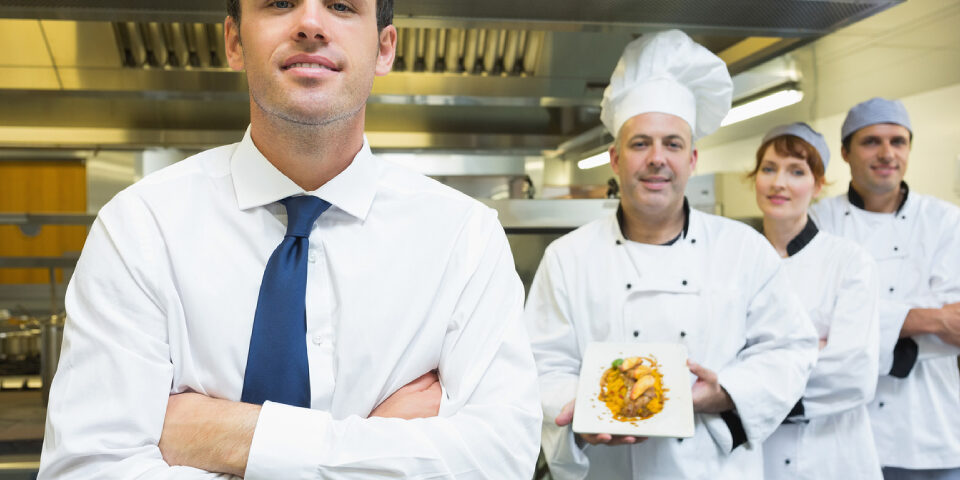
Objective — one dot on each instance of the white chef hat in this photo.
(874, 111)
(668, 72)
(804, 132)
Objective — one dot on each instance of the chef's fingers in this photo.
(702, 372)
(566, 414)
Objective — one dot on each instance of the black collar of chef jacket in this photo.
(857, 201)
(683, 233)
(803, 238)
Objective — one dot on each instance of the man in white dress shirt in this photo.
(915, 240)
(410, 318)
(658, 271)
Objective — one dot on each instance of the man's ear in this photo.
(231, 39)
(388, 50)
(614, 159)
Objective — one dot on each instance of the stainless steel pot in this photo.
(19, 343)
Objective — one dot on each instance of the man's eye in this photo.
(799, 173)
(767, 169)
(639, 144)
(340, 7)
(283, 4)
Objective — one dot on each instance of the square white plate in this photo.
(675, 420)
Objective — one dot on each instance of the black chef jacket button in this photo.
(787, 461)
(904, 217)
(679, 440)
(619, 242)
(895, 249)
(629, 286)
(847, 213)
(636, 333)
(891, 289)
(692, 240)
(881, 404)
(683, 334)
(684, 283)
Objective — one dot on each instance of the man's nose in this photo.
(311, 24)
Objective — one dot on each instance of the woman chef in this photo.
(827, 434)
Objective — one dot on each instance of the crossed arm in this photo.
(215, 435)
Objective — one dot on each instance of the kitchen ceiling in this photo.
(501, 75)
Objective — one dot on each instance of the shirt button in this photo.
(679, 440)
(619, 242)
(895, 249)
(881, 404)
(312, 257)
(683, 334)
(891, 289)
(629, 286)
(636, 333)
(787, 461)
(693, 240)
(317, 340)
(684, 283)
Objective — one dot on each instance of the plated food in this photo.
(639, 389)
(632, 388)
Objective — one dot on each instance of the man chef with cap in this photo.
(916, 242)
(658, 271)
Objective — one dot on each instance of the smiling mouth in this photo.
(309, 65)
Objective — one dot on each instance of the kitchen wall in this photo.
(910, 52)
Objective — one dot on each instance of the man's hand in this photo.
(950, 324)
(566, 416)
(417, 399)
(208, 433)
(708, 395)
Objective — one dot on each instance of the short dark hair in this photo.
(384, 12)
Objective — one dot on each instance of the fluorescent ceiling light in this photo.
(769, 103)
(601, 158)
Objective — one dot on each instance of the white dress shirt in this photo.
(720, 291)
(405, 275)
(916, 419)
(828, 435)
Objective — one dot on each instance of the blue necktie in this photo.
(277, 368)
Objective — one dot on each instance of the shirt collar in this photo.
(257, 182)
(803, 238)
(683, 233)
(857, 201)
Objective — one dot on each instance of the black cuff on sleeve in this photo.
(904, 357)
(737, 432)
(796, 414)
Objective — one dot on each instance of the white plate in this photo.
(675, 420)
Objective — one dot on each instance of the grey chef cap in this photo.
(805, 133)
(874, 111)
(668, 72)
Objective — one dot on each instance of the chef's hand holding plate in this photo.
(566, 416)
(708, 395)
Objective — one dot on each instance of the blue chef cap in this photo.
(804, 132)
(874, 111)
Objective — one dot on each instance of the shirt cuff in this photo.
(735, 425)
(905, 355)
(278, 449)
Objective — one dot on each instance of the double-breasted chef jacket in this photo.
(916, 412)
(718, 289)
(828, 433)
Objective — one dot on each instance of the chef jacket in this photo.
(827, 434)
(404, 276)
(719, 290)
(916, 411)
